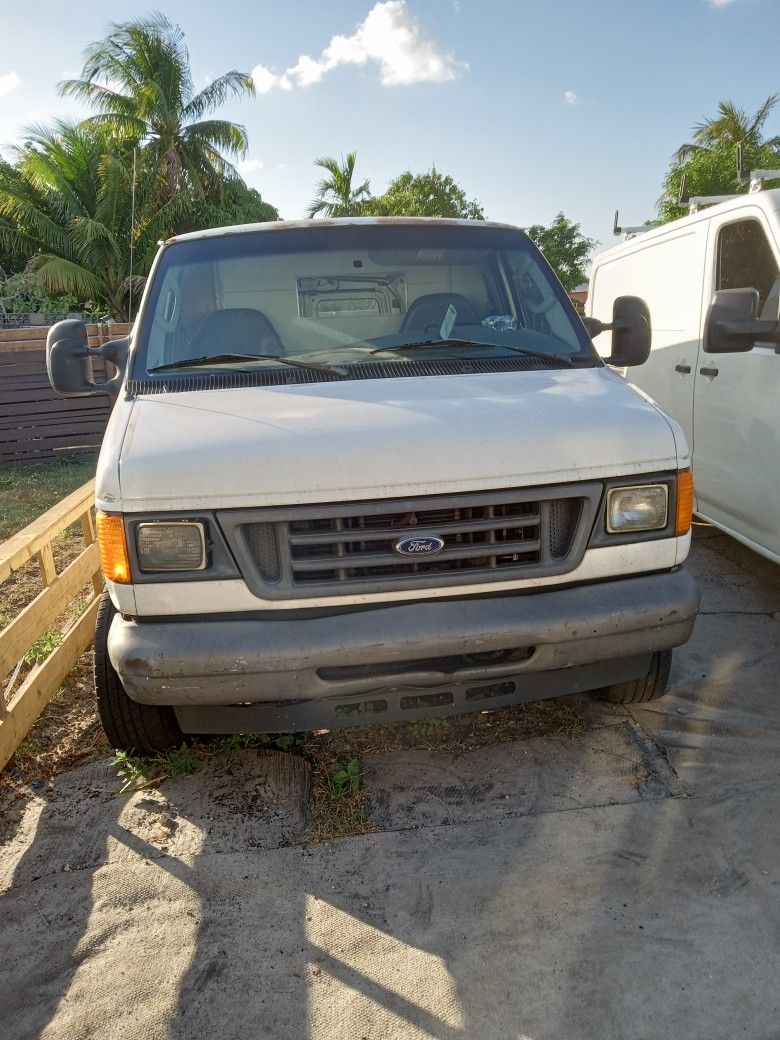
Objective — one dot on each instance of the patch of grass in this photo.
(338, 807)
(136, 771)
(29, 489)
(428, 730)
(42, 647)
(240, 741)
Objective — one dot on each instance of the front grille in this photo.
(486, 536)
(478, 537)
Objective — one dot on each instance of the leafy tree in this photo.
(67, 205)
(709, 161)
(430, 194)
(239, 204)
(139, 82)
(565, 248)
(336, 196)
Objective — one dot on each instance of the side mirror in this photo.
(732, 327)
(631, 331)
(69, 360)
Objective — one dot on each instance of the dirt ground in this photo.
(596, 873)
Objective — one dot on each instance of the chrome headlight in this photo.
(171, 545)
(641, 508)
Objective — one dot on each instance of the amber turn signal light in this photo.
(684, 502)
(114, 560)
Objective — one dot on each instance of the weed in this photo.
(30, 746)
(80, 605)
(132, 768)
(179, 761)
(42, 647)
(428, 729)
(348, 780)
(240, 741)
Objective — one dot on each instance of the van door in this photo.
(736, 410)
(666, 271)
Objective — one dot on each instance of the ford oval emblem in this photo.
(425, 545)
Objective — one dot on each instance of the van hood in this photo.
(340, 441)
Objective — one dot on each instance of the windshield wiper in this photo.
(229, 359)
(416, 345)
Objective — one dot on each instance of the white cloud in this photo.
(265, 80)
(9, 81)
(570, 97)
(249, 166)
(389, 37)
(721, 3)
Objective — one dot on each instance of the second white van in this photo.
(712, 283)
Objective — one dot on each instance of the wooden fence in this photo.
(34, 422)
(19, 711)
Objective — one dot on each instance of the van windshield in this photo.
(321, 299)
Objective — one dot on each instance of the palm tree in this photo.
(66, 203)
(732, 126)
(138, 80)
(335, 195)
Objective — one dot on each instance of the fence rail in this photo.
(19, 711)
(34, 422)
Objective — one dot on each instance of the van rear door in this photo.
(736, 408)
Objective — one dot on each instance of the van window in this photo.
(355, 294)
(746, 261)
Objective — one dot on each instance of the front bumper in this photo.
(401, 662)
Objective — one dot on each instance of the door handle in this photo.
(708, 372)
(685, 369)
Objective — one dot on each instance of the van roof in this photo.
(769, 201)
(294, 225)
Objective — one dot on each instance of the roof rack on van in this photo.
(695, 202)
(753, 178)
(627, 232)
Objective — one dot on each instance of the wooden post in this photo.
(46, 563)
(88, 527)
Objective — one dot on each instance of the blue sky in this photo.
(533, 107)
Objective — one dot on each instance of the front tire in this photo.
(141, 729)
(649, 688)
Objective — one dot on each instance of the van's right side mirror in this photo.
(631, 331)
(732, 326)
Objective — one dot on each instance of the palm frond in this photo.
(65, 276)
(231, 84)
(218, 133)
(762, 114)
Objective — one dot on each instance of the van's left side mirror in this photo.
(631, 331)
(732, 326)
(69, 360)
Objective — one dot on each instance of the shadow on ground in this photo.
(615, 884)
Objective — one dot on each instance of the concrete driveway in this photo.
(615, 885)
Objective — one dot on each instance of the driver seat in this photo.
(237, 330)
(429, 310)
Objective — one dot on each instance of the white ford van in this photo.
(362, 471)
(712, 283)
